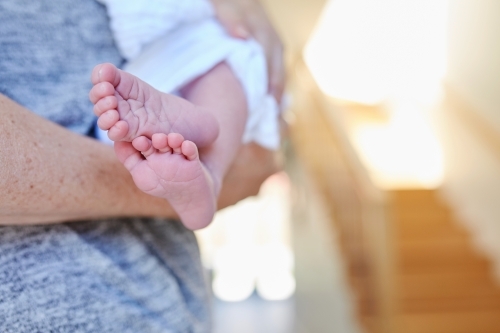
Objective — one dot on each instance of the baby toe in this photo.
(143, 144)
(175, 141)
(107, 73)
(100, 91)
(160, 142)
(94, 77)
(128, 155)
(105, 104)
(108, 119)
(189, 150)
(118, 131)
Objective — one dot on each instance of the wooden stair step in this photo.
(370, 323)
(453, 239)
(413, 205)
(474, 303)
(439, 267)
(451, 250)
(415, 196)
(424, 217)
(453, 242)
(481, 265)
(428, 286)
(451, 322)
(408, 255)
(419, 232)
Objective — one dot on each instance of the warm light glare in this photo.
(232, 287)
(275, 280)
(234, 272)
(276, 286)
(371, 51)
(391, 52)
(248, 246)
(403, 153)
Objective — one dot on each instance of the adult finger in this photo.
(274, 52)
(277, 73)
(232, 19)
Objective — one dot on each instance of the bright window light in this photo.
(392, 52)
(275, 280)
(276, 286)
(233, 286)
(247, 246)
(402, 153)
(370, 51)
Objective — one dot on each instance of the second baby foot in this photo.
(128, 107)
(169, 167)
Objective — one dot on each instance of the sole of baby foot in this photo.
(168, 166)
(128, 107)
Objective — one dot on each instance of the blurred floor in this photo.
(323, 298)
(255, 315)
(322, 302)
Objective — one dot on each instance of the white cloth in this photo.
(168, 43)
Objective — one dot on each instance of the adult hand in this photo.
(247, 18)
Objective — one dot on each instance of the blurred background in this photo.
(387, 216)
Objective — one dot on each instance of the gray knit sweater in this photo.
(134, 275)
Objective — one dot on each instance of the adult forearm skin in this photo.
(50, 175)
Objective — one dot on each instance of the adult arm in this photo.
(247, 18)
(49, 175)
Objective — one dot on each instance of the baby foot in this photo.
(169, 167)
(128, 107)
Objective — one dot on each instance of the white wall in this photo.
(474, 55)
(472, 182)
(472, 160)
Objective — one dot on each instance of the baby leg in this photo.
(220, 93)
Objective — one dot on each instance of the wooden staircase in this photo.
(411, 264)
(443, 284)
